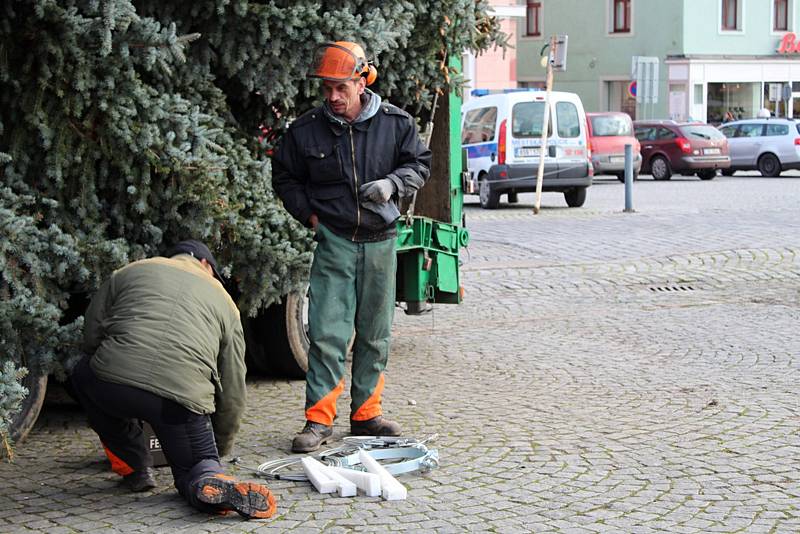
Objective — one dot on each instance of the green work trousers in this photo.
(352, 289)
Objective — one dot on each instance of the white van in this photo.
(502, 133)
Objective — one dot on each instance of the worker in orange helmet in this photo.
(342, 169)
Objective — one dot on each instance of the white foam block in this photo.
(317, 476)
(345, 488)
(369, 483)
(391, 489)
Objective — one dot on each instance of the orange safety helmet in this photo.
(341, 61)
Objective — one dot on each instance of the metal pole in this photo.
(545, 123)
(628, 178)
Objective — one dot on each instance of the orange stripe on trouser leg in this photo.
(372, 406)
(324, 410)
(117, 464)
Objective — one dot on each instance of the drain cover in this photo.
(659, 289)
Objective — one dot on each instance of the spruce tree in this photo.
(126, 126)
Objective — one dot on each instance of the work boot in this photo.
(311, 437)
(141, 480)
(223, 492)
(377, 426)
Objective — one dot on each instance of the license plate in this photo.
(711, 151)
(617, 159)
(527, 151)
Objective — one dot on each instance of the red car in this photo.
(686, 148)
(609, 132)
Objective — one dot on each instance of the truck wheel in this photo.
(575, 197)
(489, 199)
(23, 422)
(277, 338)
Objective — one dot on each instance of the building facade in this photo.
(717, 59)
(495, 70)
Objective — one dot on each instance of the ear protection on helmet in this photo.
(371, 75)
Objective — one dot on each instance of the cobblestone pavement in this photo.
(607, 372)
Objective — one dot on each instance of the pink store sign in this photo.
(789, 44)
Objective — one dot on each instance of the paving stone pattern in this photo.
(607, 372)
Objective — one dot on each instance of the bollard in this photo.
(628, 178)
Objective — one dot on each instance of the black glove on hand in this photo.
(378, 191)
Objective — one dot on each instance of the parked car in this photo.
(769, 145)
(609, 132)
(502, 135)
(686, 148)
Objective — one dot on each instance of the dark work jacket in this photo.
(321, 163)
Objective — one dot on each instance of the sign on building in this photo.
(559, 57)
(775, 90)
(644, 69)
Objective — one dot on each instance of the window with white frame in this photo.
(780, 15)
(731, 15)
(533, 18)
(698, 94)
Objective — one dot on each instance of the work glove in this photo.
(379, 191)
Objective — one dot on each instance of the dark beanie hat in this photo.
(198, 250)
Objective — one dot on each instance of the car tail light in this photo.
(684, 145)
(501, 144)
(796, 141)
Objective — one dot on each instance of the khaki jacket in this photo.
(166, 326)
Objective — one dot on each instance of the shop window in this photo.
(698, 94)
(780, 16)
(731, 17)
(620, 16)
(773, 98)
(533, 18)
(732, 101)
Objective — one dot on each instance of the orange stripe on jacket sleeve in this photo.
(372, 406)
(117, 464)
(324, 410)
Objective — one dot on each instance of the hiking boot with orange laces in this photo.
(311, 437)
(248, 499)
(377, 426)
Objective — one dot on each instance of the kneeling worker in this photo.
(165, 345)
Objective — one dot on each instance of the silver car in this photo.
(769, 145)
